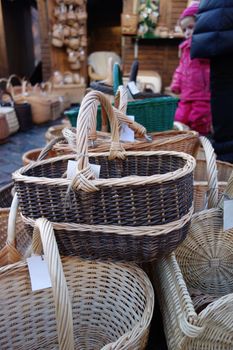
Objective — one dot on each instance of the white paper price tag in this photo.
(39, 274)
(227, 214)
(127, 134)
(71, 169)
(96, 170)
(133, 88)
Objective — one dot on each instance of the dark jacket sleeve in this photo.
(213, 34)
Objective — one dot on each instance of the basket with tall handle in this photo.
(91, 305)
(138, 209)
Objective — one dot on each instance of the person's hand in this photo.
(175, 89)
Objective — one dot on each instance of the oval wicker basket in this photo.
(139, 208)
(172, 140)
(91, 305)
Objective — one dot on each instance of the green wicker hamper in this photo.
(156, 114)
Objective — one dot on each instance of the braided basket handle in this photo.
(11, 227)
(87, 111)
(43, 236)
(212, 173)
(121, 99)
(120, 108)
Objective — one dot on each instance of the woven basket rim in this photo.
(134, 180)
(153, 100)
(138, 231)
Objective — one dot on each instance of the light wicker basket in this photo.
(172, 140)
(53, 132)
(129, 181)
(91, 305)
(33, 154)
(196, 290)
(14, 239)
(11, 118)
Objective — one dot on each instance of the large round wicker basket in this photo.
(91, 305)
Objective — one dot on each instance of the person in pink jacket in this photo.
(192, 80)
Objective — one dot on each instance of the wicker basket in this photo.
(91, 305)
(144, 199)
(156, 114)
(53, 132)
(6, 196)
(4, 129)
(205, 263)
(33, 154)
(12, 121)
(73, 92)
(210, 177)
(14, 239)
(180, 141)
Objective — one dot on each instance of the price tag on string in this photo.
(39, 273)
(71, 169)
(127, 134)
(133, 88)
(227, 214)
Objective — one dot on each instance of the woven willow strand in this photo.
(119, 230)
(43, 233)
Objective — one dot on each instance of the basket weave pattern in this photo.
(88, 299)
(135, 189)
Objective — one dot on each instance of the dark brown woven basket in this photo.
(139, 208)
(6, 196)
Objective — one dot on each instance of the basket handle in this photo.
(120, 108)
(11, 77)
(9, 253)
(212, 173)
(168, 272)
(47, 87)
(2, 93)
(121, 99)
(228, 193)
(44, 152)
(11, 227)
(87, 110)
(43, 236)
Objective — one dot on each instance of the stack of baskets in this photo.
(194, 285)
(120, 206)
(97, 305)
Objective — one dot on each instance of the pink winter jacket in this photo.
(192, 77)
